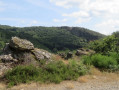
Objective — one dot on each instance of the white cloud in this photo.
(77, 14)
(2, 5)
(21, 21)
(10, 6)
(59, 20)
(36, 2)
(107, 27)
(106, 10)
(68, 3)
(82, 20)
(10, 19)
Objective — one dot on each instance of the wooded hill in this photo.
(50, 38)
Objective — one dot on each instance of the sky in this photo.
(98, 15)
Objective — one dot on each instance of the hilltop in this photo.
(50, 38)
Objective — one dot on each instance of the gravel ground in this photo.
(103, 82)
(74, 86)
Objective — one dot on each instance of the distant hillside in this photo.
(50, 38)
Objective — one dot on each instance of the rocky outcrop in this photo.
(7, 58)
(67, 55)
(41, 54)
(21, 51)
(21, 44)
(83, 51)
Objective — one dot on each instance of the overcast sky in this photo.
(98, 15)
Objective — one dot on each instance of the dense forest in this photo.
(50, 38)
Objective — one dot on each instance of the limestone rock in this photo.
(6, 58)
(3, 68)
(41, 54)
(21, 44)
(80, 52)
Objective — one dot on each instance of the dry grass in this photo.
(57, 58)
(2, 86)
(69, 86)
(95, 71)
(83, 79)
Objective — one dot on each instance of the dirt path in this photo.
(88, 82)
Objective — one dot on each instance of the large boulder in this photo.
(41, 54)
(21, 44)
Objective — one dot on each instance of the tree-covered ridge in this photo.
(50, 38)
(84, 33)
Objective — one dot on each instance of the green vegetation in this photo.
(100, 61)
(107, 53)
(50, 38)
(52, 72)
(106, 45)
(62, 40)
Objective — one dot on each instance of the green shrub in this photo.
(55, 72)
(106, 45)
(22, 74)
(100, 61)
(58, 71)
(114, 68)
(114, 55)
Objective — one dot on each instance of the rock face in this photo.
(41, 54)
(3, 68)
(21, 51)
(21, 44)
(83, 51)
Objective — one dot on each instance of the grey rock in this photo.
(6, 49)
(21, 52)
(41, 54)
(6, 58)
(21, 44)
(63, 55)
(83, 51)
(69, 55)
(4, 68)
(80, 52)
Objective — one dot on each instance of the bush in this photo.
(52, 72)
(100, 61)
(114, 68)
(22, 74)
(114, 55)
(106, 45)
(58, 71)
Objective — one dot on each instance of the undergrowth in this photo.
(103, 61)
(53, 72)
